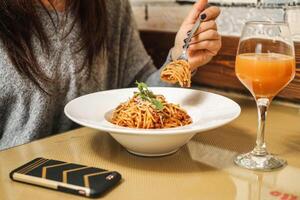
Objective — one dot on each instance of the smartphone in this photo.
(66, 177)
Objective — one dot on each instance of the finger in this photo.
(211, 24)
(210, 13)
(206, 35)
(202, 54)
(199, 58)
(193, 15)
(207, 44)
(210, 45)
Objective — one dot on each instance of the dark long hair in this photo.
(19, 22)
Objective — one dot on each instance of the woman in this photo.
(52, 51)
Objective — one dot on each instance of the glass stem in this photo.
(262, 107)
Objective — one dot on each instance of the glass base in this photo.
(260, 163)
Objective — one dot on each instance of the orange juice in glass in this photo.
(265, 64)
(265, 74)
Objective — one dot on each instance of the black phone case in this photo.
(66, 177)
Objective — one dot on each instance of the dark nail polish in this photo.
(189, 32)
(185, 40)
(203, 16)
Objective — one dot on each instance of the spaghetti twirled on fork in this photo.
(177, 72)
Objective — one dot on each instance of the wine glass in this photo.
(265, 64)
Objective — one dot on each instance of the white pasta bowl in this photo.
(207, 110)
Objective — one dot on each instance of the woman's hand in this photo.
(206, 42)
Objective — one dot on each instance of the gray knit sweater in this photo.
(27, 114)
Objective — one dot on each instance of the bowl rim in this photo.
(107, 126)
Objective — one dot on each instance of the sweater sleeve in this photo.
(154, 78)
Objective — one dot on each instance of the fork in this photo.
(183, 55)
